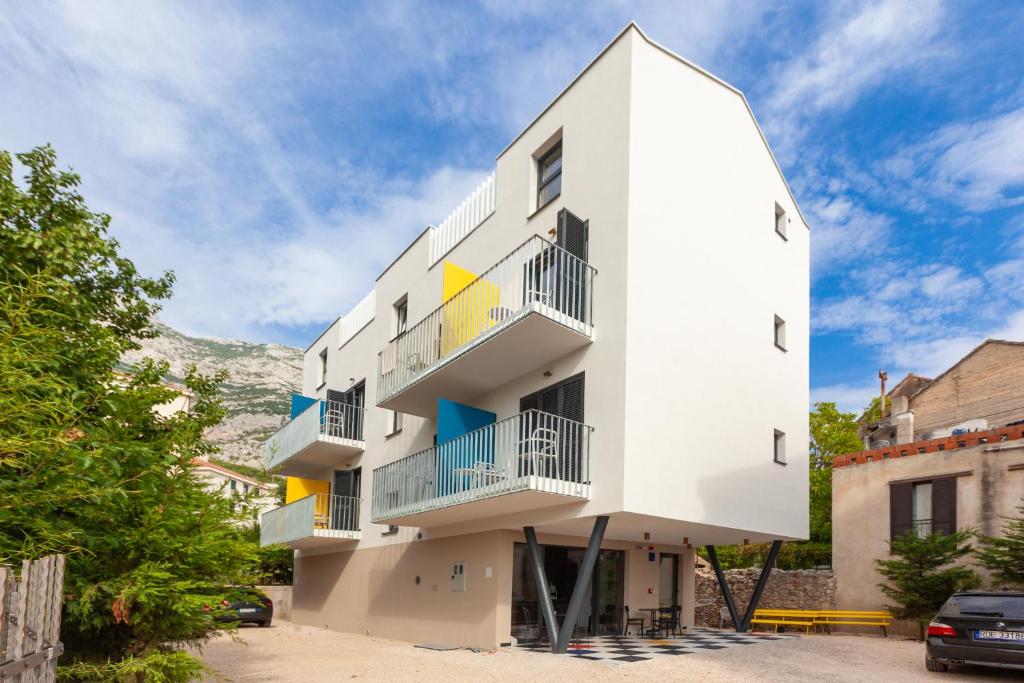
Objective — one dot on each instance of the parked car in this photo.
(982, 628)
(247, 606)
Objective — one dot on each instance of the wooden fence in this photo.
(30, 608)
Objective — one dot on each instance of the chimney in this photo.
(882, 376)
(903, 418)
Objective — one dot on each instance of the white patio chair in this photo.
(540, 450)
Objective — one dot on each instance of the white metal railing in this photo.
(476, 208)
(359, 317)
(321, 419)
(537, 276)
(531, 450)
(316, 514)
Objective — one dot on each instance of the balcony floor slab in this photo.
(327, 451)
(537, 493)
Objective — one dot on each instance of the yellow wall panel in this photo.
(298, 488)
(468, 314)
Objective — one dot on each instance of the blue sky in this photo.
(276, 156)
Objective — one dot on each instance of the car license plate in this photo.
(250, 610)
(998, 635)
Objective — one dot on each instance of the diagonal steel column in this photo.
(762, 581)
(583, 579)
(726, 593)
(541, 579)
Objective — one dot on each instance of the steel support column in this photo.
(579, 591)
(540, 578)
(726, 593)
(762, 581)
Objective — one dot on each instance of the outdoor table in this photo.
(654, 617)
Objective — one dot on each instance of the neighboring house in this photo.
(981, 391)
(956, 461)
(182, 402)
(574, 342)
(227, 482)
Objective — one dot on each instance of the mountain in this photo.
(256, 394)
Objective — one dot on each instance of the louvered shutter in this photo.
(901, 509)
(944, 505)
(344, 483)
(572, 234)
(572, 438)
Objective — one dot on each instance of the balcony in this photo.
(529, 461)
(314, 521)
(317, 438)
(530, 308)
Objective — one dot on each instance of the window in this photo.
(394, 423)
(921, 515)
(922, 507)
(780, 447)
(549, 175)
(234, 485)
(245, 488)
(390, 531)
(401, 315)
(322, 379)
(780, 333)
(781, 221)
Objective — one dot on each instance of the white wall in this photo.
(706, 385)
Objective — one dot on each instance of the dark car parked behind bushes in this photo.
(983, 628)
(248, 605)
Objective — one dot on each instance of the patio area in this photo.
(286, 653)
(629, 649)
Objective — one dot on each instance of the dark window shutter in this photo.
(901, 509)
(944, 505)
(572, 234)
(572, 400)
(344, 483)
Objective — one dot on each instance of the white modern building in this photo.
(231, 484)
(605, 344)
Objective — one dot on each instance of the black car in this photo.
(982, 628)
(248, 606)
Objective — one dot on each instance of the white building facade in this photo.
(614, 324)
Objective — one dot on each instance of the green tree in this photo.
(87, 467)
(921, 573)
(1004, 555)
(832, 433)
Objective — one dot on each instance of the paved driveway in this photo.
(303, 654)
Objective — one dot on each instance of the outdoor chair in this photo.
(638, 622)
(528, 630)
(723, 616)
(668, 620)
(539, 452)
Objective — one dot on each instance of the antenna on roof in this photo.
(882, 376)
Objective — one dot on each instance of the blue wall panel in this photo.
(455, 420)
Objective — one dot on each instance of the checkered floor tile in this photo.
(639, 649)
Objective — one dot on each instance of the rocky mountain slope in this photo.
(256, 394)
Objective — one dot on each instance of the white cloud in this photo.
(857, 50)
(978, 166)
(851, 398)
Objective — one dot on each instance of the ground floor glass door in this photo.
(601, 612)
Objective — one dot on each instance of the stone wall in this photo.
(796, 589)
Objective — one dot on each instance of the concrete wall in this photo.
(987, 490)
(987, 384)
(375, 591)
(282, 598)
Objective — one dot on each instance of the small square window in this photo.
(780, 333)
(322, 379)
(394, 423)
(781, 221)
(549, 175)
(390, 531)
(780, 447)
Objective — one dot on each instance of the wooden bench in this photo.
(828, 618)
(785, 617)
(823, 618)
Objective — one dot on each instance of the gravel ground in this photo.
(285, 652)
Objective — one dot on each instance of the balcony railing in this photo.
(326, 421)
(537, 277)
(318, 516)
(529, 451)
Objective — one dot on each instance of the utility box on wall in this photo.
(459, 577)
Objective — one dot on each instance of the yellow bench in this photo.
(827, 618)
(824, 618)
(785, 617)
